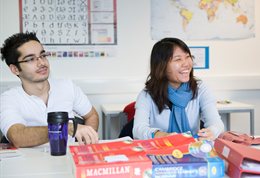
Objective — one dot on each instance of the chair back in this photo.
(129, 112)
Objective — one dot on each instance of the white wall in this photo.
(234, 65)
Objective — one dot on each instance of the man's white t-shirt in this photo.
(19, 107)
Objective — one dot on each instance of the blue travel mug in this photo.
(58, 132)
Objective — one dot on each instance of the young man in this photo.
(23, 111)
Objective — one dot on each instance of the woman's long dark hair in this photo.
(157, 82)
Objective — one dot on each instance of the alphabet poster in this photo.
(67, 23)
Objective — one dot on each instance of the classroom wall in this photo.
(234, 65)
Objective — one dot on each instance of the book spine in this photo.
(216, 167)
(120, 170)
(180, 170)
(188, 170)
(188, 166)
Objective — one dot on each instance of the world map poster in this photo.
(202, 19)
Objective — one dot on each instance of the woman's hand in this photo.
(205, 134)
(160, 134)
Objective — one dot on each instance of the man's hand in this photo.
(86, 135)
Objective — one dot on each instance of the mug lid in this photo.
(57, 117)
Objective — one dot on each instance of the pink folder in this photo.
(241, 159)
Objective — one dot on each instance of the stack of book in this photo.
(201, 161)
(116, 163)
(165, 166)
(243, 161)
(170, 156)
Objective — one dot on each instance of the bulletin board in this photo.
(72, 28)
(201, 57)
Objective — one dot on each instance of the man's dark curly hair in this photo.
(9, 51)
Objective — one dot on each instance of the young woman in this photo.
(173, 100)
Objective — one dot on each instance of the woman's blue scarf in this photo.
(180, 97)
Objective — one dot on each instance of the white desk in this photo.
(36, 163)
(236, 107)
(110, 111)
